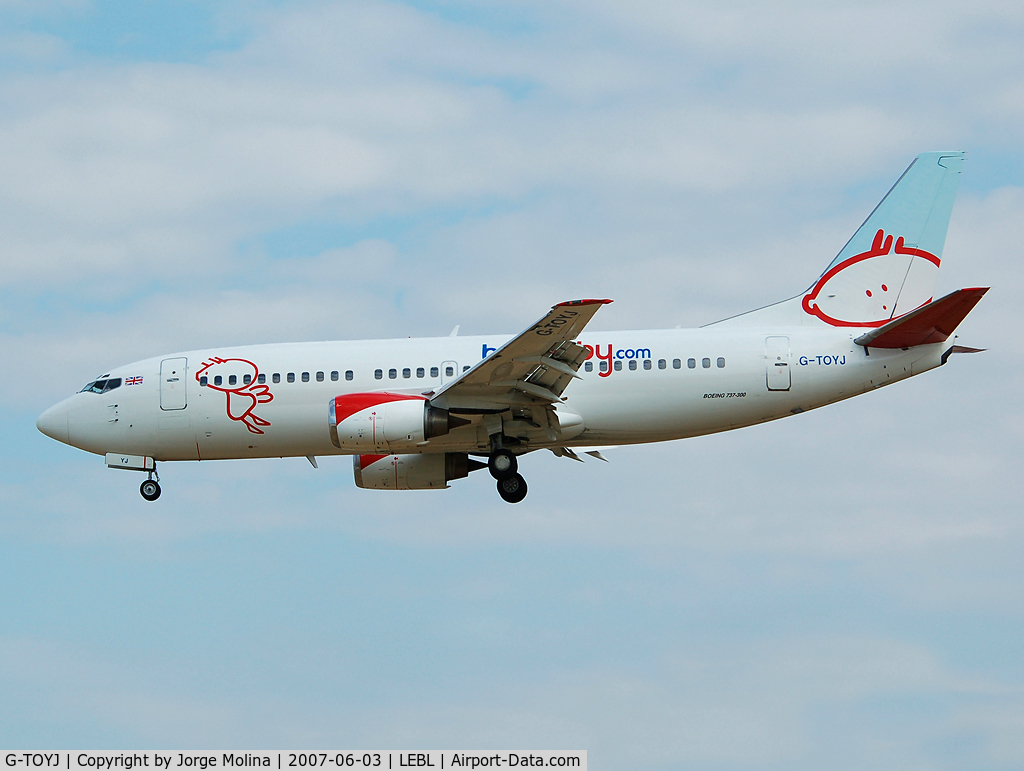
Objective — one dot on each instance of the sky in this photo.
(840, 589)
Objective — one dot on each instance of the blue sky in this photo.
(839, 589)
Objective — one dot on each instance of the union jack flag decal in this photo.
(133, 381)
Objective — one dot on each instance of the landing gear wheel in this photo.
(513, 489)
(150, 490)
(502, 464)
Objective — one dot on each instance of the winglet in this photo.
(931, 323)
(582, 302)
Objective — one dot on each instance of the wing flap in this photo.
(534, 367)
(931, 323)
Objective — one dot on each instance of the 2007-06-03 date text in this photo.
(341, 759)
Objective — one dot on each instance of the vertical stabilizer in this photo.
(891, 264)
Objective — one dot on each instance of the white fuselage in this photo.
(685, 383)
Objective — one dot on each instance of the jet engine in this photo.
(385, 422)
(411, 472)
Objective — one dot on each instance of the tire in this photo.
(513, 489)
(150, 490)
(502, 464)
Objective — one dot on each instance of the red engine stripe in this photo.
(350, 404)
(369, 460)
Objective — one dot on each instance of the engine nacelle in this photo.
(386, 422)
(411, 472)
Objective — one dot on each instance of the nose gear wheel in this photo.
(150, 489)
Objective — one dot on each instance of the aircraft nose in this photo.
(54, 422)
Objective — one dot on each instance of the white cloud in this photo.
(117, 172)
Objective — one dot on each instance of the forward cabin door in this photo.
(777, 361)
(172, 384)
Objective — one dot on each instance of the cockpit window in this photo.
(102, 386)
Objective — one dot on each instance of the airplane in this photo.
(416, 414)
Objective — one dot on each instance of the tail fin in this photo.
(891, 264)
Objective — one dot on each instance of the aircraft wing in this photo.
(534, 367)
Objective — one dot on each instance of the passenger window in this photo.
(434, 372)
(291, 377)
(632, 364)
(246, 379)
(378, 373)
(406, 372)
(589, 366)
(603, 366)
(420, 372)
(647, 363)
(618, 366)
(261, 378)
(334, 374)
(232, 379)
(349, 374)
(677, 363)
(392, 373)
(662, 364)
(305, 377)
(465, 368)
(203, 380)
(721, 362)
(691, 363)
(449, 371)
(706, 363)
(218, 380)
(277, 377)
(319, 377)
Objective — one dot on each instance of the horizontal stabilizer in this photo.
(931, 323)
(965, 349)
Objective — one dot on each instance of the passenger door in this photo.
(777, 362)
(172, 384)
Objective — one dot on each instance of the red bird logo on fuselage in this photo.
(241, 399)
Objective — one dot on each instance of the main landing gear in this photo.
(150, 489)
(505, 469)
(513, 489)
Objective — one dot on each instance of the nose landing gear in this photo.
(150, 489)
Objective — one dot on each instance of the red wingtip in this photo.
(582, 302)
